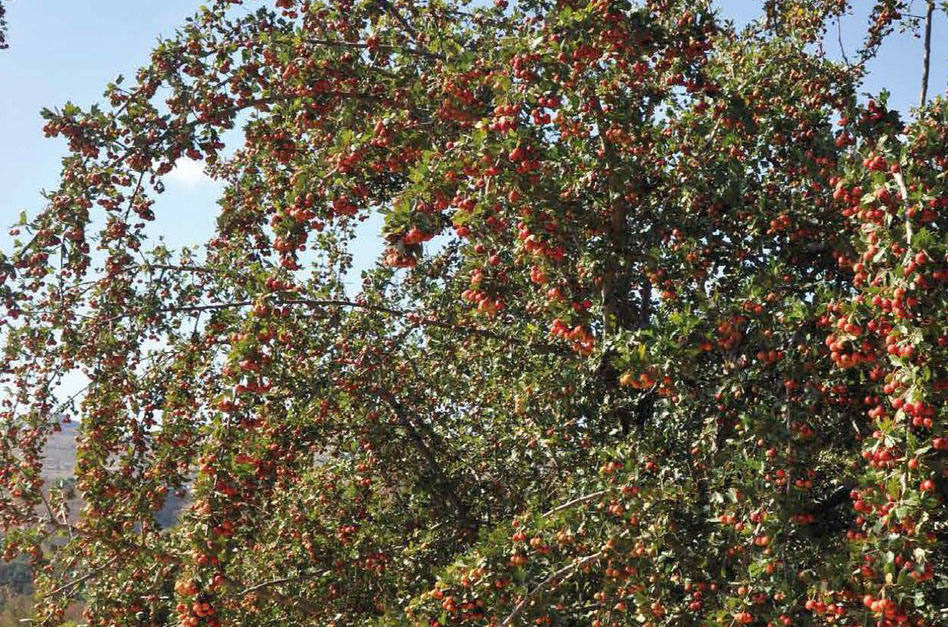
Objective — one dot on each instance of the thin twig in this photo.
(49, 510)
(267, 584)
(839, 38)
(576, 501)
(174, 268)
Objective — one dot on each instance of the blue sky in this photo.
(70, 49)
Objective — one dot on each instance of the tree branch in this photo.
(75, 582)
(836, 498)
(616, 235)
(926, 56)
(267, 584)
(385, 4)
(232, 110)
(263, 591)
(548, 582)
(903, 191)
(576, 501)
(174, 268)
(413, 317)
(839, 38)
(419, 52)
(446, 484)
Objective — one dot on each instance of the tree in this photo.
(659, 336)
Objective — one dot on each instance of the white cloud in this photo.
(188, 173)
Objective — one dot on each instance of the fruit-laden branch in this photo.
(412, 317)
(385, 4)
(421, 52)
(123, 549)
(233, 110)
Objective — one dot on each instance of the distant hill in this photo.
(59, 464)
(60, 460)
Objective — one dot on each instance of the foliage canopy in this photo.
(659, 336)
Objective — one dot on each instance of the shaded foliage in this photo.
(658, 336)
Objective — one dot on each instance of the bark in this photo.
(927, 54)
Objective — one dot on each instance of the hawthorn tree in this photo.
(658, 338)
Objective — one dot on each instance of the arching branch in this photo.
(413, 317)
(417, 52)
